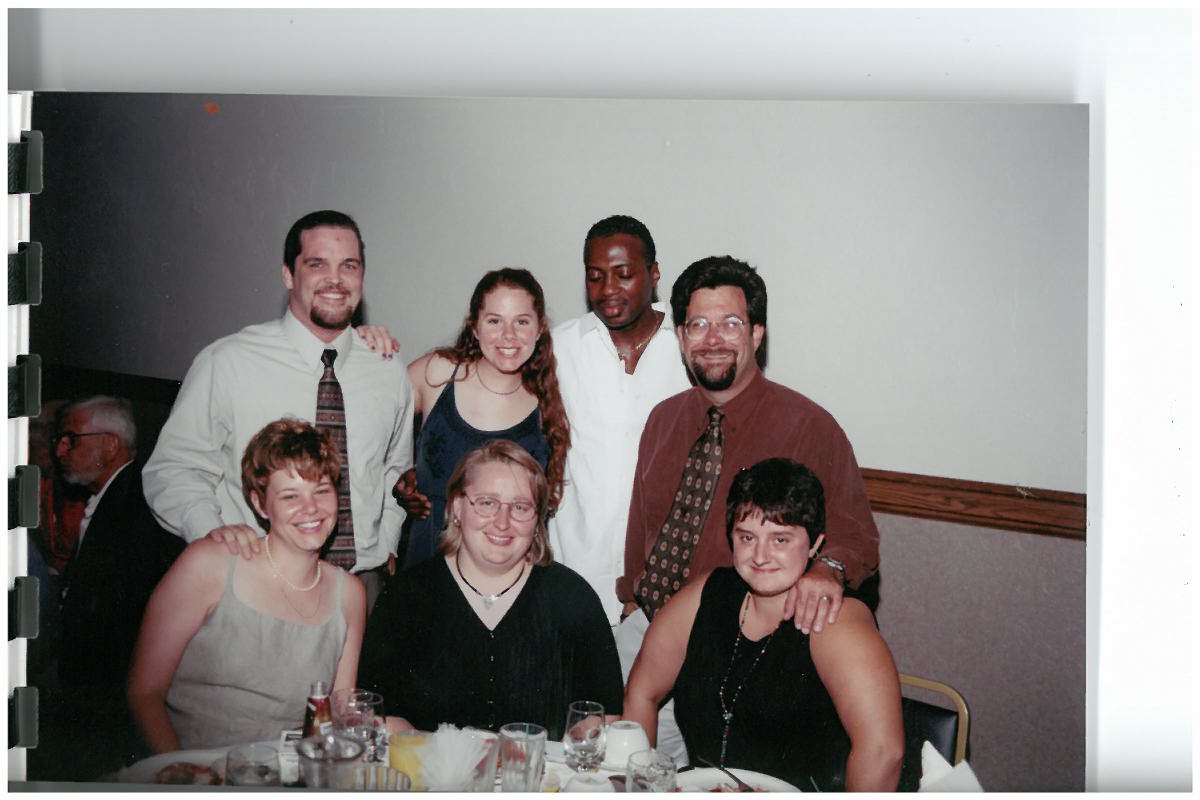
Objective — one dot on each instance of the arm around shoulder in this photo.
(856, 666)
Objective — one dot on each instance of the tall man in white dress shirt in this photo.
(241, 382)
(615, 364)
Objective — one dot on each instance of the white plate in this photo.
(144, 771)
(707, 779)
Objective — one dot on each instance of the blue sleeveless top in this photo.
(444, 439)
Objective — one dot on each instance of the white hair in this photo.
(112, 414)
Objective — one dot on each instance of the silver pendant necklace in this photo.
(489, 600)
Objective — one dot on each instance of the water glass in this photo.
(650, 771)
(522, 757)
(328, 761)
(583, 742)
(354, 712)
(252, 765)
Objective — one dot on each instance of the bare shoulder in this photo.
(202, 567)
(854, 623)
(354, 596)
(680, 611)
(430, 371)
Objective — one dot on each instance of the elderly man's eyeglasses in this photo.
(729, 328)
(71, 437)
(488, 507)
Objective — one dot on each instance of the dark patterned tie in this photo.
(331, 416)
(667, 565)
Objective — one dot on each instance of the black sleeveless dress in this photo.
(445, 438)
(784, 723)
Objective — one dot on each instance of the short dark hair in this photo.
(782, 491)
(622, 223)
(317, 219)
(714, 271)
(288, 444)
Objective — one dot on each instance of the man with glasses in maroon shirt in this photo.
(734, 417)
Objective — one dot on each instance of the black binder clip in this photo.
(25, 387)
(25, 274)
(25, 164)
(23, 489)
(23, 614)
(23, 717)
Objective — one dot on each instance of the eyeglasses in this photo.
(72, 437)
(729, 328)
(488, 507)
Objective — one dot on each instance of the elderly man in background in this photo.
(615, 363)
(311, 365)
(120, 556)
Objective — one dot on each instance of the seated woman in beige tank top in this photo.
(228, 645)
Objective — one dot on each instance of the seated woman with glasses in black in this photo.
(493, 631)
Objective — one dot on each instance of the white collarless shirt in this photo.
(607, 409)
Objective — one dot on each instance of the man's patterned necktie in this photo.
(331, 416)
(667, 565)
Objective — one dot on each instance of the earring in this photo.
(457, 522)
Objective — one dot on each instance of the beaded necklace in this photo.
(727, 710)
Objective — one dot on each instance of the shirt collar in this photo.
(740, 407)
(94, 500)
(310, 347)
(592, 323)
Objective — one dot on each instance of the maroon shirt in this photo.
(765, 420)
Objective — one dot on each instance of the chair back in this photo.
(947, 730)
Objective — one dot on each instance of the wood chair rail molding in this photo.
(990, 505)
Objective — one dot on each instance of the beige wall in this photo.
(999, 616)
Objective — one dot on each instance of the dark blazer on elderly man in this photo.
(108, 582)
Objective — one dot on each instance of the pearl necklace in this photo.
(489, 600)
(278, 574)
(727, 711)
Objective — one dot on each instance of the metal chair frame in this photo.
(960, 707)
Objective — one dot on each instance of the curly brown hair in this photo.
(538, 376)
(287, 443)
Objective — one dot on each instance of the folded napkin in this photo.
(449, 758)
(938, 776)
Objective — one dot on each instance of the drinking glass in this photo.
(252, 765)
(650, 771)
(354, 712)
(328, 761)
(583, 742)
(522, 757)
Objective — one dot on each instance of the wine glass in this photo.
(354, 712)
(583, 742)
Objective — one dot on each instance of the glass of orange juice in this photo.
(403, 756)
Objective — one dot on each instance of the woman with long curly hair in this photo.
(497, 381)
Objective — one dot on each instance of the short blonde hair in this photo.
(499, 451)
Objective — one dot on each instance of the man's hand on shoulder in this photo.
(816, 599)
(239, 539)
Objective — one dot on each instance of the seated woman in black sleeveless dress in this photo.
(820, 710)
